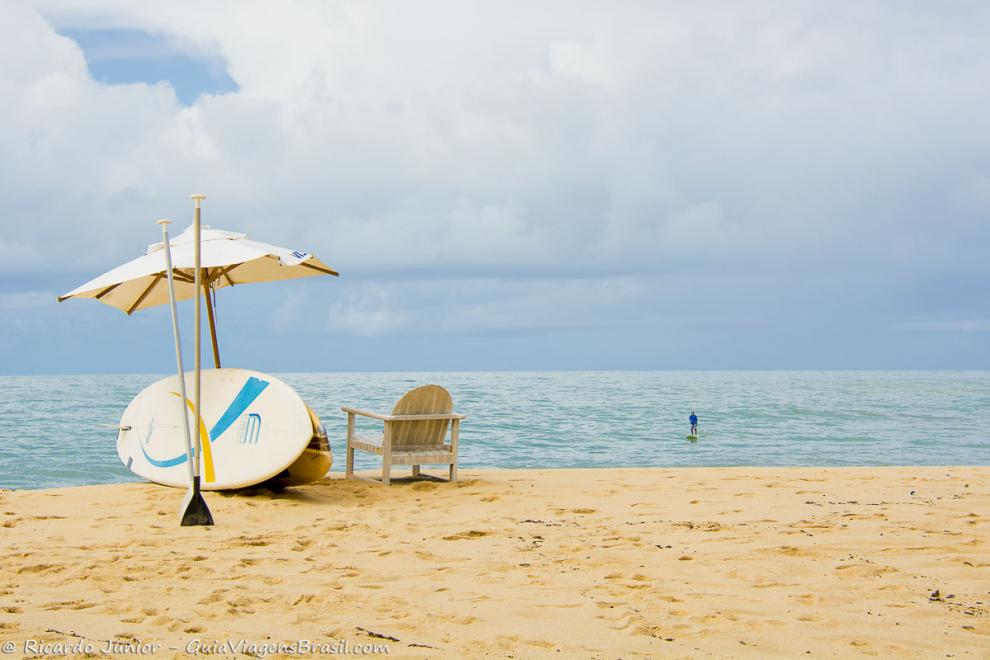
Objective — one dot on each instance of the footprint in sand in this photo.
(41, 568)
(807, 599)
(69, 605)
(623, 620)
(471, 534)
(863, 647)
(306, 598)
(252, 541)
(214, 597)
(459, 620)
(177, 624)
(240, 605)
(653, 631)
(864, 570)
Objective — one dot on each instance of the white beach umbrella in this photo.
(227, 258)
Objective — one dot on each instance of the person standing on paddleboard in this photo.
(694, 423)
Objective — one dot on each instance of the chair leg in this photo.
(415, 470)
(386, 472)
(455, 434)
(350, 449)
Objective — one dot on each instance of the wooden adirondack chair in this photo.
(414, 433)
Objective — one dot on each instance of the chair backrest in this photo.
(421, 401)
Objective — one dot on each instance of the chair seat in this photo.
(413, 455)
(437, 455)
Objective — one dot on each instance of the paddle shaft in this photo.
(197, 322)
(178, 344)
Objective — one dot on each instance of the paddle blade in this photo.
(194, 510)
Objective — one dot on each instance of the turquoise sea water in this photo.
(60, 430)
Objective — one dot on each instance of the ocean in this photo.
(61, 430)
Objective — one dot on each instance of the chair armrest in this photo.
(402, 418)
(364, 413)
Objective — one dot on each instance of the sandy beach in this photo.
(601, 563)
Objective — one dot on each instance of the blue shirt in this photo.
(694, 419)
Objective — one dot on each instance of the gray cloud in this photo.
(539, 169)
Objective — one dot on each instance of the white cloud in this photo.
(469, 140)
(366, 314)
(379, 113)
(485, 305)
(577, 61)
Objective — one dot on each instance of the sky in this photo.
(507, 185)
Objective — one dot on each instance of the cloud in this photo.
(368, 314)
(576, 61)
(382, 127)
(488, 306)
(747, 152)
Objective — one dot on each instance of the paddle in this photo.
(193, 510)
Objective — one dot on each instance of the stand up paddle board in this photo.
(692, 438)
(313, 463)
(253, 427)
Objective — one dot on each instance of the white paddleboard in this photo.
(253, 427)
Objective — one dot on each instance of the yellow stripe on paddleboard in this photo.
(204, 441)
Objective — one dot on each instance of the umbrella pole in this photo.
(213, 326)
(178, 345)
(194, 510)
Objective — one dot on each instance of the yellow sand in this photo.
(594, 563)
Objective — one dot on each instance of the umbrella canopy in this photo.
(228, 258)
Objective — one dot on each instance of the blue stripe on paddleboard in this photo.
(249, 392)
(178, 460)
